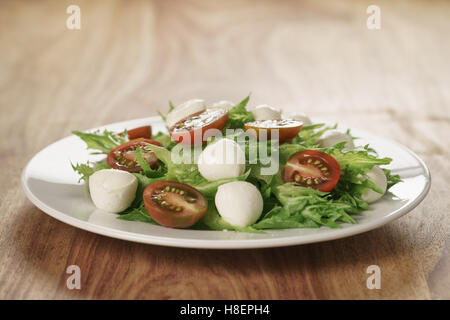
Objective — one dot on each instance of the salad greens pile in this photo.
(286, 205)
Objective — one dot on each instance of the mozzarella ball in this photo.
(184, 110)
(223, 104)
(112, 190)
(377, 176)
(300, 117)
(333, 137)
(222, 159)
(239, 203)
(265, 112)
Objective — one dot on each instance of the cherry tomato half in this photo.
(123, 157)
(140, 132)
(193, 129)
(174, 204)
(287, 129)
(312, 168)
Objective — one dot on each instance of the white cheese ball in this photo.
(222, 159)
(377, 176)
(239, 203)
(223, 104)
(184, 110)
(333, 137)
(112, 190)
(265, 112)
(299, 117)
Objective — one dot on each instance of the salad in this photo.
(227, 166)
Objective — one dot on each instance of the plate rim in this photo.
(222, 243)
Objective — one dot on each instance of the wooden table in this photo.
(131, 57)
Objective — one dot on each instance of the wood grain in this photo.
(131, 57)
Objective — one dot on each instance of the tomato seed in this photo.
(190, 199)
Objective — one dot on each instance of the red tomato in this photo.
(174, 204)
(287, 129)
(193, 129)
(123, 157)
(312, 168)
(141, 132)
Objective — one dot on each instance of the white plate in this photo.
(52, 185)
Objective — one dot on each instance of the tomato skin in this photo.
(285, 133)
(140, 142)
(190, 212)
(140, 132)
(196, 136)
(314, 169)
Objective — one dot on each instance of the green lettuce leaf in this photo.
(209, 188)
(280, 218)
(309, 135)
(165, 140)
(146, 169)
(137, 214)
(213, 221)
(304, 208)
(391, 179)
(353, 180)
(238, 115)
(103, 142)
(357, 159)
(85, 170)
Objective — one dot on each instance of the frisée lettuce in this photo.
(286, 204)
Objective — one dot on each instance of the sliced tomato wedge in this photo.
(312, 168)
(140, 132)
(193, 130)
(287, 129)
(123, 157)
(174, 204)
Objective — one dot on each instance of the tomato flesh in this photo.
(193, 130)
(123, 157)
(140, 132)
(314, 169)
(174, 204)
(287, 129)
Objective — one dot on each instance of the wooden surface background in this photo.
(131, 57)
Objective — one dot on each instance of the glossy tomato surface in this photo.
(174, 204)
(140, 132)
(194, 130)
(312, 168)
(269, 129)
(123, 157)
